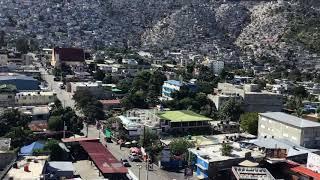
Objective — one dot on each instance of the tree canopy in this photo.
(13, 124)
(144, 89)
(60, 115)
(89, 105)
(249, 122)
(230, 110)
(226, 149)
(179, 146)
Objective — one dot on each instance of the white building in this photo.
(132, 125)
(35, 98)
(216, 66)
(284, 126)
(95, 88)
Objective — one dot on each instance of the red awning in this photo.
(305, 171)
(103, 158)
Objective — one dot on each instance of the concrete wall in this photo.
(6, 158)
(311, 137)
(253, 101)
(227, 88)
(7, 99)
(39, 99)
(262, 102)
(269, 127)
(97, 91)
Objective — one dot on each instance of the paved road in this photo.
(64, 96)
(155, 174)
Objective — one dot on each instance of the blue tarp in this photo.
(28, 150)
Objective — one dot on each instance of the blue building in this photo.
(209, 161)
(21, 82)
(171, 86)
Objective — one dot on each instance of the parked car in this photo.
(62, 86)
(56, 78)
(134, 157)
(126, 163)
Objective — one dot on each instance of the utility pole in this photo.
(147, 168)
(144, 136)
(64, 129)
(139, 166)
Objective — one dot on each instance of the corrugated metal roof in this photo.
(103, 158)
(290, 119)
(21, 77)
(174, 82)
(306, 171)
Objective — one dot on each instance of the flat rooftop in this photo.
(252, 173)
(209, 140)
(212, 153)
(182, 116)
(271, 143)
(290, 119)
(35, 168)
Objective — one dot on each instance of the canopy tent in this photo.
(108, 133)
(28, 150)
(135, 150)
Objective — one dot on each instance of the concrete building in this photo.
(182, 121)
(273, 148)
(112, 104)
(171, 86)
(284, 126)
(95, 88)
(7, 93)
(209, 161)
(216, 66)
(29, 167)
(225, 126)
(245, 173)
(34, 98)
(253, 99)
(37, 113)
(21, 82)
(220, 99)
(132, 125)
(68, 56)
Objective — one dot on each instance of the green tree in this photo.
(249, 122)
(226, 149)
(2, 38)
(55, 151)
(99, 75)
(300, 92)
(107, 79)
(148, 140)
(89, 105)
(19, 136)
(22, 45)
(11, 118)
(230, 110)
(294, 103)
(55, 123)
(179, 146)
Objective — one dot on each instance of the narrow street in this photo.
(155, 174)
(136, 167)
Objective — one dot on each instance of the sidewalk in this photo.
(155, 174)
